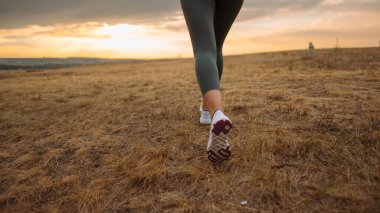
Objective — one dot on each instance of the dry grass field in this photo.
(126, 138)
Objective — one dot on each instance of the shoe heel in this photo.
(222, 126)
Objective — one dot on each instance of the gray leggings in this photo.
(209, 22)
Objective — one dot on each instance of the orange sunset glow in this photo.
(163, 34)
(189, 106)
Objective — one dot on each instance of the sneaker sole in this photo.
(219, 149)
(222, 126)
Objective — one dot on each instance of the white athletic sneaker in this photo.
(205, 116)
(218, 148)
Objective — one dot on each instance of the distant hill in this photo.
(50, 63)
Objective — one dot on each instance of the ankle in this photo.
(204, 107)
(213, 111)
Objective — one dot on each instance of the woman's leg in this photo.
(199, 16)
(226, 12)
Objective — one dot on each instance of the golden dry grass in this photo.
(125, 137)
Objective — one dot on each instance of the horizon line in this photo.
(179, 56)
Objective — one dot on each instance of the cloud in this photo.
(19, 13)
(90, 40)
(332, 2)
(57, 30)
(148, 28)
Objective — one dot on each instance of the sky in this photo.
(156, 28)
